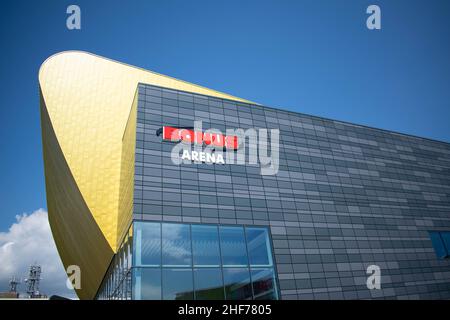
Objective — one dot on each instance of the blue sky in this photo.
(315, 57)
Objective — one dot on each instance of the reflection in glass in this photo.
(148, 244)
(237, 283)
(147, 284)
(208, 284)
(205, 245)
(258, 247)
(264, 284)
(177, 284)
(232, 243)
(176, 245)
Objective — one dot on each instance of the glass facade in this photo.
(441, 243)
(197, 262)
(345, 197)
(117, 282)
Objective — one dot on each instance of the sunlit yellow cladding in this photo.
(85, 104)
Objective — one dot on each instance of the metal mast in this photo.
(13, 284)
(33, 281)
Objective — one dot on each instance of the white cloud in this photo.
(30, 241)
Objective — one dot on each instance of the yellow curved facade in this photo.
(88, 130)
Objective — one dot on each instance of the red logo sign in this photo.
(198, 137)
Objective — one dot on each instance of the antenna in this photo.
(33, 281)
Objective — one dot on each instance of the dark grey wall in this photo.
(346, 196)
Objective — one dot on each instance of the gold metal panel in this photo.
(77, 236)
(86, 101)
(126, 189)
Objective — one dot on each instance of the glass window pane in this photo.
(177, 284)
(237, 283)
(205, 245)
(263, 281)
(438, 245)
(176, 246)
(148, 244)
(445, 236)
(208, 284)
(147, 284)
(258, 247)
(232, 244)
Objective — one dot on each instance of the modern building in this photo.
(140, 225)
